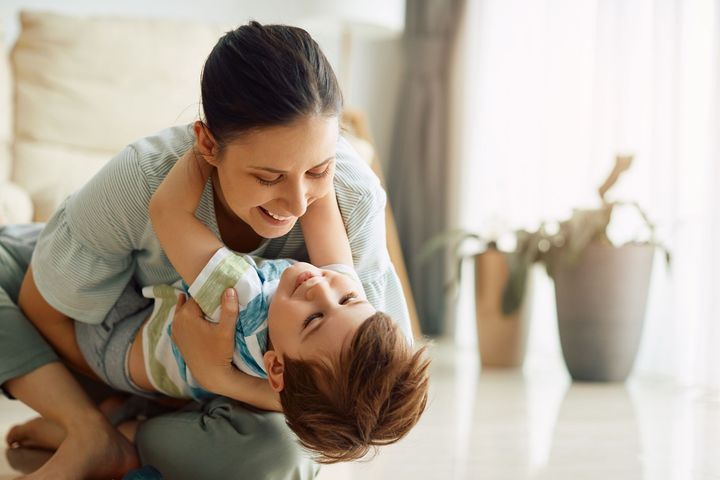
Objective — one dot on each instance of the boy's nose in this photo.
(319, 290)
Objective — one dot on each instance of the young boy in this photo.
(342, 373)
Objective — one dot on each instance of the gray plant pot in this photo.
(601, 303)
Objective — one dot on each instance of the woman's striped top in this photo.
(101, 236)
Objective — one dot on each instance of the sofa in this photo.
(83, 88)
(75, 90)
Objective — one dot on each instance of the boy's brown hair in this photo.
(371, 395)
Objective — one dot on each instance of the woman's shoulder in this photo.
(356, 185)
(119, 193)
(157, 153)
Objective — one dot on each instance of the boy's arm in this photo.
(324, 231)
(187, 242)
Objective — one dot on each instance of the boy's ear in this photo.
(275, 369)
(205, 143)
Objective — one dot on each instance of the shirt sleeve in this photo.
(84, 257)
(362, 201)
(224, 270)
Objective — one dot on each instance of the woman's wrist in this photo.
(214, 379)
(248, 389)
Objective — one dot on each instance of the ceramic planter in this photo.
(601, 302)
(502, 338)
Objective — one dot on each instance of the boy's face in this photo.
(313, 314)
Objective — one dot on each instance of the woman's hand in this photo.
(208, 351)
(207, 347)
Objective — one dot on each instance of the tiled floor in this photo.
(506, 425)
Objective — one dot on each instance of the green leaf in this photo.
(514, 292)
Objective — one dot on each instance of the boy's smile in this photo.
(303, 276)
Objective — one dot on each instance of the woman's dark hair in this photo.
(265, 75)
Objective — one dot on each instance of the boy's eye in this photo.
(347, 298)
(310, 319)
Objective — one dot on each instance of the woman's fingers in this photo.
(185, 311)
(207, 347)
(229, 311)
(191, 308)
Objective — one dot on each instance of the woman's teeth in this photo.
(276, 217)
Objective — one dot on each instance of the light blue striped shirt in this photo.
(101, 236)
(255, 280)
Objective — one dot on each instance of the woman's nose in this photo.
(297, 200)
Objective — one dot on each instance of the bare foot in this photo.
(91, 449)
(48, 435)
(26, 460)
(36, 433)
(129, 429)
(112, 404)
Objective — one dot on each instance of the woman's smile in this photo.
(273, 218)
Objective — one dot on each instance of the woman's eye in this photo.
(265, 181)
(319, 174)
(347, 298)
(309, 319)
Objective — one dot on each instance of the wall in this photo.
(377, 63)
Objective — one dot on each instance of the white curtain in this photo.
(546, 93)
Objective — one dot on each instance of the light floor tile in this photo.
(508, 425)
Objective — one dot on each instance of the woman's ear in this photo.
(206, 144)
(274, 368)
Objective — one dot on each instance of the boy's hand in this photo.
(200, 166)
(316, 208)
(324, 231)
(207, 347)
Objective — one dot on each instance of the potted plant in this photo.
(601, 288)
(501, 288)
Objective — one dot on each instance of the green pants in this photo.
(219, 440)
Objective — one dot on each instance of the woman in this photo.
(271, 105)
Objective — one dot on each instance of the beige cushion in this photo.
(15, 204)
(5, 110)
(86, 87)
(50, 172)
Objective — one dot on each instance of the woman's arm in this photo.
(324, 232)
(187, 242)
(248, 389)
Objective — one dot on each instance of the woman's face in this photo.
(268, 177)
